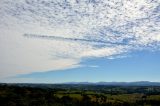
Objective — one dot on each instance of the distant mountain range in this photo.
(138, 83)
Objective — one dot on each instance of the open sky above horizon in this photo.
(54, 41)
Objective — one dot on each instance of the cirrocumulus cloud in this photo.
(41, 35)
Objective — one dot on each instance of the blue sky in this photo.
(137, 66)
(53, 41)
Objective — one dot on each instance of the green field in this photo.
(78, 95)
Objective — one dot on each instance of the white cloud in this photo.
(115, 27)
(105, 52)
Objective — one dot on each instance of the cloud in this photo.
(105, 52)
(42, 35)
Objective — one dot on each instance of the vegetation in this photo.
(78, 95)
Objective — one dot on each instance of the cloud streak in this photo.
(94, 41)
(41, 35)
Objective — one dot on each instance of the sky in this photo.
(54, 41)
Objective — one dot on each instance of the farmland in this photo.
(78, 95)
